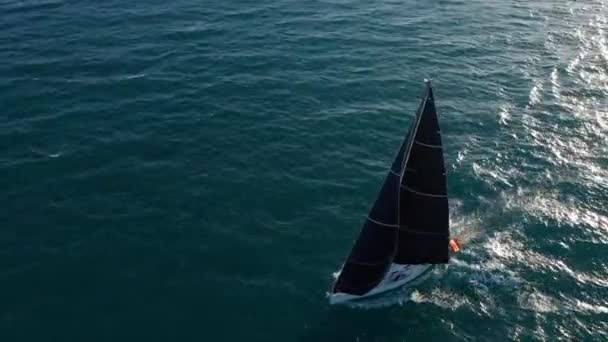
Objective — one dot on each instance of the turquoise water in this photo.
(196, 171)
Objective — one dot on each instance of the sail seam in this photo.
(406, 229)
(403, 186)
(426, 145)
(383, 224)
(395, 173)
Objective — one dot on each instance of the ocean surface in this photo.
(198, 170)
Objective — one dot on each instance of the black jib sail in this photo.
(408, 223)
(423, 209)
(376, 246)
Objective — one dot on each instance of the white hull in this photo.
(397, 275)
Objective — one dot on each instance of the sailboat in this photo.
(407, 228)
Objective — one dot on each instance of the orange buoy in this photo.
(454, 245)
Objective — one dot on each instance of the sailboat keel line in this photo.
(383, 224)
(423, 193)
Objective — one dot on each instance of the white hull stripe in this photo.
(382, 223)
(423, 193)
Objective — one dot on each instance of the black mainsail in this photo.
(424, 231)
(408, 223)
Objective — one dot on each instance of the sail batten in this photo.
(393, 225)
(426, 145)
(403, 186)
(420, 232)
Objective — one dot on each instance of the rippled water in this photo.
(197, 170)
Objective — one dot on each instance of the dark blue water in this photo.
(196, 171)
